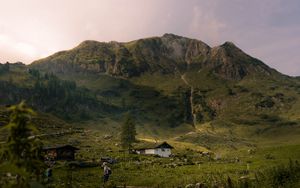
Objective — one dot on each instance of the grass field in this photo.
(188, 166)
(254, 128)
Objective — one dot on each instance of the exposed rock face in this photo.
(232, 63)
(168, 54)
(184, 49)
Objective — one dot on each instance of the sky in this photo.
(266, 29)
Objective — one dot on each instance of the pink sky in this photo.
(266, 29)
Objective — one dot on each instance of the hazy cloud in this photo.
(267, 29)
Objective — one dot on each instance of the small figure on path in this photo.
(106, 172)
(48, 174)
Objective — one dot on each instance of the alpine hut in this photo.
(161, 149)
(60, 152)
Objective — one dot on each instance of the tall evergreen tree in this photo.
(21, 154)
(128, 132)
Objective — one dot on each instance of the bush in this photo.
(267, 102)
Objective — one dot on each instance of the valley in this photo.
(226, 114)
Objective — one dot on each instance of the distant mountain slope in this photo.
(171, 81)
(166, 54)
(48, 93)
(105, 98)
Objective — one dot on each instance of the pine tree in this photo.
(21, 154)
(128, 132)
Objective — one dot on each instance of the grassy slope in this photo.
(151, 171)
(236, 111)
(227, 142)
(147, 97)
(240, 126)
(228, 103)
(239, 118)
(55, 96)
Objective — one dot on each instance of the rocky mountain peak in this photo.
(88, 43)
(229, 44)
(171, 36)
(230, 62)
(157, 54)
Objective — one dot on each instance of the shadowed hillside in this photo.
(220, 84)
(163, 81)
(225, 112)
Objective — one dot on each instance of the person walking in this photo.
(106, 172)
(48, 174)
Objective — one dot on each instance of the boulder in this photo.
(190, 186)
(107, 137)
(200, 185)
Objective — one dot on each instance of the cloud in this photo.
(205, 25)
(14, 50)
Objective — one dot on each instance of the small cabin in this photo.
(61, 152)
(161, 149)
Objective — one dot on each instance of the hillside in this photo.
(165, 82)
(226, 113)
(47, 93)
(168, 54)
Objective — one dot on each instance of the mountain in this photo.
(214, 105)
(168, 82)
(167, 54)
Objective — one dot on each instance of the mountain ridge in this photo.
(165, 54)
(166, 82)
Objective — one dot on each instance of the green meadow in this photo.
(250, 161)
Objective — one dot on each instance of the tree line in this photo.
(48, 93)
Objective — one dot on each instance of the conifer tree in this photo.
(21, 154)
(128, 132)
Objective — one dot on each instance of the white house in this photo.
(162, 149)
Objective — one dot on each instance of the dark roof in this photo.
(60, 147)
(155, 145)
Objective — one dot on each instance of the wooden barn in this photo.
(161, 149)
(60, 152)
